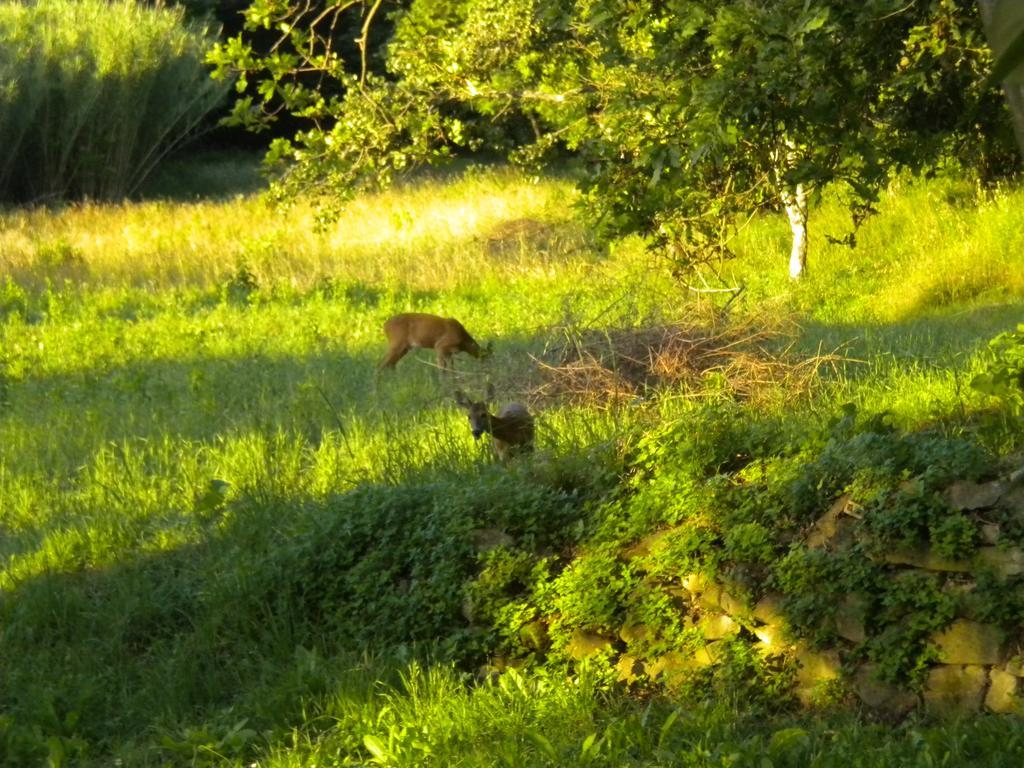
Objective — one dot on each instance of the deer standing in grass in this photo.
(511, 430)
(445, 335)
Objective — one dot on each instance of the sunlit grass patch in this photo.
(933, 245)
(432, 236)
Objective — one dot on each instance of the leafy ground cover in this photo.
(225, 541)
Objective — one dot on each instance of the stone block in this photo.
(631, 634)
(733, 605)
(1005, 562)
(816, 666)
(629, 668)
(969, 642)
(585, 644)
(816, 670)
(649, 544)
(695, 583)
(990, 533)
(879, 695)
(712, 653)
(768, 609)
(712, 596)
(710, 599)
(668, 664)
(926, 558)
(1013, 500)
(718, 626)
(774, 638)
(1002, 692)
(674, 666)
(485, 539)
(1016, 475)
(834, 529)
(850, 615)
(955, 689)
(966, 496)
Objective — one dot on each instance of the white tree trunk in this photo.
(795, 201)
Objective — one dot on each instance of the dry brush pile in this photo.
(750, 360)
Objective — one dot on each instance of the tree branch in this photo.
(361, 41)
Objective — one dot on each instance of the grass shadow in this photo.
(942, 339)
(207, 175)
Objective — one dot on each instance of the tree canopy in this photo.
(681, 117)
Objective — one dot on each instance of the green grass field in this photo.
(189, 417)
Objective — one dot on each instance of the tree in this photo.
(1004, 27)
(682, 117)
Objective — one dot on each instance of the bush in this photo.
(384, 566)
(1003, 378)
(93, 94)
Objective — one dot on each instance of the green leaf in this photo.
(667, 726)
(590, 746)
(375, 747)
(815, 22)
(542, 743)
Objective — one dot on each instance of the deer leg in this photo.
(444, 357)
(392, 357)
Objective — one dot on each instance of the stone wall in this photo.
(976, 665)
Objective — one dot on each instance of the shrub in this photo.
(93, 94)
(1003, 378)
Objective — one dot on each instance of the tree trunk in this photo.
(795, 201)
(1015, 100)
(1014, 91)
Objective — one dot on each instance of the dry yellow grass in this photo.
(431, 236)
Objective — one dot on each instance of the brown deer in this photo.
(511, 430)
(445, 335)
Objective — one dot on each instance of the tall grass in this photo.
(94, 93)
(430, 717)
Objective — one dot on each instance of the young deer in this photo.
(445, 335)
(511, 430)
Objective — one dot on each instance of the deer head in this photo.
(511, 430)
